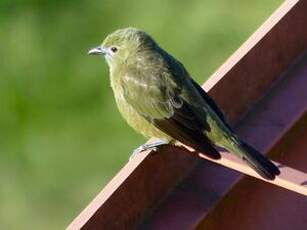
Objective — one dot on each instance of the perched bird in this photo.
(158, 98)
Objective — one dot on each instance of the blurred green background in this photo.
(61, 137)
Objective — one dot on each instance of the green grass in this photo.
(61, 137)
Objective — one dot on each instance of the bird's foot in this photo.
(150, 146)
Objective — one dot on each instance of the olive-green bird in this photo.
(158, 98)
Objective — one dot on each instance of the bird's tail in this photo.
(254, 159)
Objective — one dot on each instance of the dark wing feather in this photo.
(160, 103)
(184, 127)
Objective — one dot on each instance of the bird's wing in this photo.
(156, 95)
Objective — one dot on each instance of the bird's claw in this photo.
(136, 152)
(150, 146)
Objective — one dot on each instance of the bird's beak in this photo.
(97, 51)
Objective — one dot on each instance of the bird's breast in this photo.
(133, 118)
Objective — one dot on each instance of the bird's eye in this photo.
(114, 49)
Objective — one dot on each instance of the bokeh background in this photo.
(61, 137)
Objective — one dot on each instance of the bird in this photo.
(158, 98)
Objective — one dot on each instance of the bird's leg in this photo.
(149, 146)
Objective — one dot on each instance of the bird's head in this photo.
(123, 44)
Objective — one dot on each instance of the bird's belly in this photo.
(137, 122)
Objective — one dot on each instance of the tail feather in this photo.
(258, 162)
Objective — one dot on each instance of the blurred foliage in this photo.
(61, 137)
